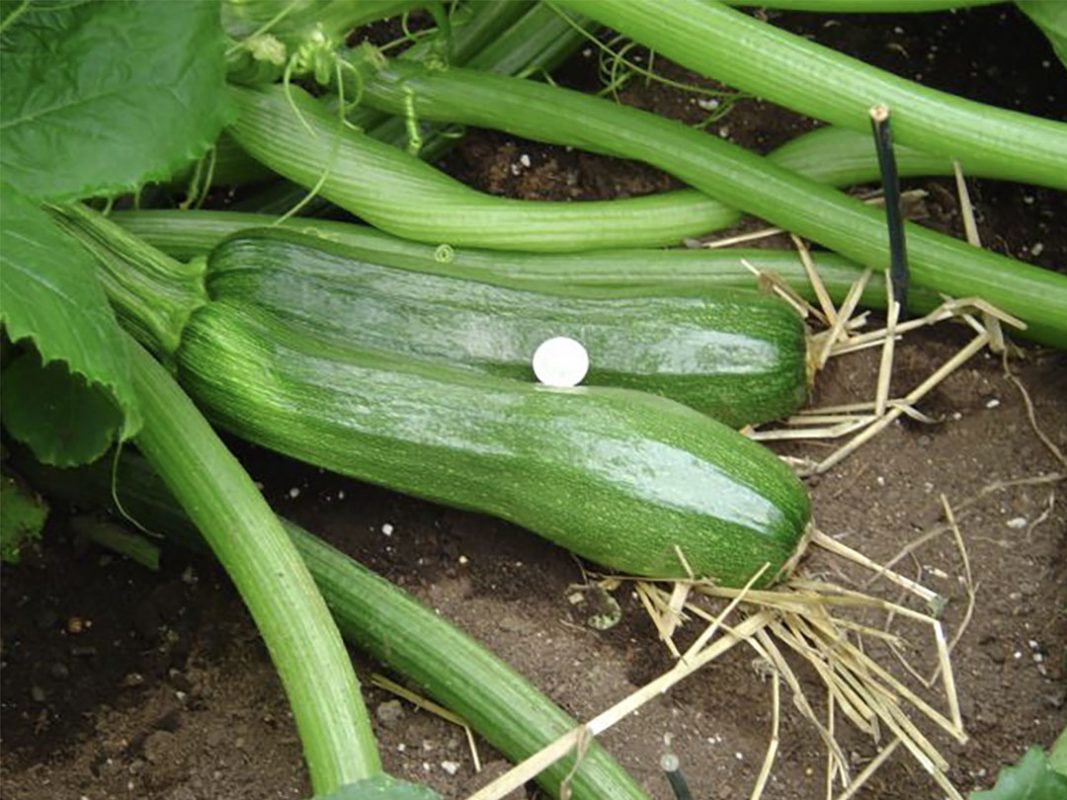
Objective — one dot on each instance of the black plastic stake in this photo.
(673, 771)
(887, 163)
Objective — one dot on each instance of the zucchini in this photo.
(737, 355)
(622, 478)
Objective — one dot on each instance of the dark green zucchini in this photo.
(737, 355)
(623, 478)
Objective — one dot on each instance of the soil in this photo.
(118, 682)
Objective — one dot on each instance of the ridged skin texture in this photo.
(619, 477)
(739, 356)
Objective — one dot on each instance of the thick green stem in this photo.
(400, 194)
(539, 42)
(475, 26)
(385, 622)
(863, 6)
(721, 169)
(152, 293)
(267, 571)
(730, 46)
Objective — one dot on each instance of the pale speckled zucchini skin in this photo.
(616, 476)
(738, 355)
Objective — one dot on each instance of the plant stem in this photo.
(383, 621)
(728, 45)
(152, 294)
(118, 539)
(251, 545)
(721, 169)
(399, 193)
(864, 6)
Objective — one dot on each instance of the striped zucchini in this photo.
(623, 478)
(740, 356)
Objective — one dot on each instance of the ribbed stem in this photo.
(381, 620)
(152, 294)
(721, 169)
(541, 40)
(743, 52)
(863, 6)
(242, 531)
(400, 194)
(474, 26)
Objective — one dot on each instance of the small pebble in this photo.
(451, 767)
(524, 160)
(387, 529)
(389, 713)
(38, 694)
(1016, 523)
(992, 403)
(464, 560)
(340, 494)
(294, 492)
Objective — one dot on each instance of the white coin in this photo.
(560, 361)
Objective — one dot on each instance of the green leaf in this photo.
(1051, 17)
(381, 787)
(49, 295)
(63, 419)
(22, 516)
(1033, 778)
(100, 98)
(1057, 756)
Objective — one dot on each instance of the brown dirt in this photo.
(119, 683)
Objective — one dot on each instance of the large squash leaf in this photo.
(1057, 757)
(22, 517)
(1051, 17)
(1033, 778)
(99, 98)
(69, 404)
